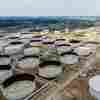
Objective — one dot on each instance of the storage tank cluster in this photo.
(22, 56)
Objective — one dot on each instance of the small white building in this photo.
(66, 30)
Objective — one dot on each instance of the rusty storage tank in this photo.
(30, 50)
(50, 69)
(5, 67)
(64, 47)
(75, 42)
(3, 43)
(28, 64)
(48, 50)
(17, 87)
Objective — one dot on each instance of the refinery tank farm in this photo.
(49, 58)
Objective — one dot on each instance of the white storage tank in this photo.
(14, 47)
(94, 86)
